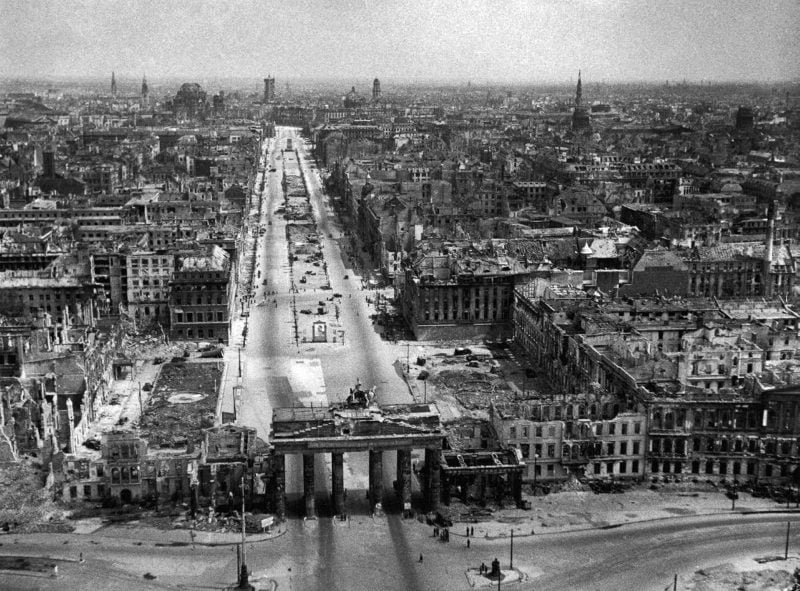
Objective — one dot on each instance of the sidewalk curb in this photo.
(627, 523)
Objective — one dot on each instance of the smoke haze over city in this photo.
(515, 41)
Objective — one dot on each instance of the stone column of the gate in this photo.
(337, 477)
(309, 493)
(432, 477)
(404, 478)
(280, 486)
(375, 477)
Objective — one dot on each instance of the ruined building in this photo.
(656, 387)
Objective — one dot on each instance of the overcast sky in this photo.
(525, 41)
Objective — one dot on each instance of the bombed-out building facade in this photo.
(669, 388)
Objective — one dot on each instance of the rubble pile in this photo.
(23, 501)
(726, 576)
(148, 345)
(472, 389)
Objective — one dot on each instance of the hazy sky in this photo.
(511, 40)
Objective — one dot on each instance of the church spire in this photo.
(145, 88)
(113, 83)
(578, 91)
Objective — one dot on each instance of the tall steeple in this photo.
(113, 84)
(145, 96)
(581, 121)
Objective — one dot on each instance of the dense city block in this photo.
(245, 311)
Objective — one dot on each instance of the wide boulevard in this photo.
(376, 555)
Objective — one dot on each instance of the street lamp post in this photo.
(511, 561)
(244, 582)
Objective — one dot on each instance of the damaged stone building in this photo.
(587, 438)
(127, 470)
(200, 295)
(460, 292)
(655, 387)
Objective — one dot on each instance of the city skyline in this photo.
(520, 42)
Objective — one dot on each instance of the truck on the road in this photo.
(289, 144)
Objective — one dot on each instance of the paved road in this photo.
(280, 372)
(372, 555)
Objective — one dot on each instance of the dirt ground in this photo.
(167, 422)
(775, 576)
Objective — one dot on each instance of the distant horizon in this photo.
(513, 42)
(126, 79)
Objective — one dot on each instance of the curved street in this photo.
(359, 555)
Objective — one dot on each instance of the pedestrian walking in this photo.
(467, 543)
(472, 531)
(420, 558)
(468, 532)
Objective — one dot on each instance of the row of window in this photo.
(668, 446)
(198, 317)
(557, 412)
(147, 262)
(593, 449)
(125, 475)
(202, 333)
(620, 467)
(87, 491)
(723, 468)
(198, 300)
(625, 428)
(57, 295)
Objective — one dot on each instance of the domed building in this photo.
(353, 100)
(190, 102)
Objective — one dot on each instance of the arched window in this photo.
(657, 422)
